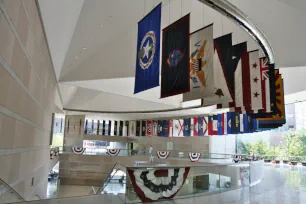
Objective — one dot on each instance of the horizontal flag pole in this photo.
(241, 19)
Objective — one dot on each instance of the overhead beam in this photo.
(243, 21)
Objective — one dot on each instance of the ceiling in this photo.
(93, 45)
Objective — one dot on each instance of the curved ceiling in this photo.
(93, 45)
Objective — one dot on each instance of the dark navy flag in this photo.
(86, 123)
(148, 51)
(109, 127)
(200, 126)
(165, 128)
(175, 78)
(143, 128)
(187, 124)
(235, 123)
(229, 123)
(120, 128)
(160, 125)
(138, 128)
(103, 127)
(115, 128)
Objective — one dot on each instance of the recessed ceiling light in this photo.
(76, 57)
(84, 48)
(101, 26)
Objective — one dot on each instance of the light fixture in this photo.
(76, 57)
(101, 26)
(84, 48)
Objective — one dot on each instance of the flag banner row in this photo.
(200, 67)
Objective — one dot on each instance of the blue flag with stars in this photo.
(148, 51)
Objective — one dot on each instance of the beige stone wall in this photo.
(27, 92)
(74, 134)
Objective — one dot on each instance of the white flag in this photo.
(201, 64)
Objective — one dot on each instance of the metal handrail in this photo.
(105, 180)
(12, 190)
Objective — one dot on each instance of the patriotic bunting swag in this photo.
(152, 185)
(78, 150)
(162, 154)
(194, 156)
(113, 152)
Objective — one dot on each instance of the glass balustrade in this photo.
(8, 194)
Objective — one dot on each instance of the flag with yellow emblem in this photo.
(201, 72)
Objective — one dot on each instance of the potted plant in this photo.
(294, 160)
(267, 159)
(285, 160)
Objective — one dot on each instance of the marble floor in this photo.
(282, 184)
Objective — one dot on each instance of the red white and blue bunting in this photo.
(78, 150)
(152, 185)
(194, 156)
(162, 154)
(113, 152)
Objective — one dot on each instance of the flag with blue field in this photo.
(148, 51)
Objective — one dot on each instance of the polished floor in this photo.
(282, 184)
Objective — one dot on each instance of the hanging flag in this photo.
(175, 58)
(86, 123)
(213, 125)
(223, 73)
(80, 125)
(165, 128)
(143, 128)
(278, 119)
(103, 127)
(109, 127)
(149, 127)
(160, 124)
(201, 64)
(235, 127)
(178, 128)
(98, 128)
(170, 128)
(195, 126)
(220, 124)
(148, 51)
(265, 83)
(121, 128)
(187, 124)
(138, 130)
(132, 128)
(115, 128)
(155, 128)
(126, 128)
(255, 80)
(242, 76)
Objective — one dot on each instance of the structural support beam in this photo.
(242, 20)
